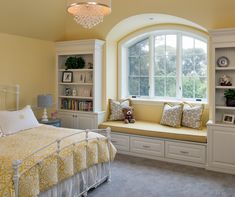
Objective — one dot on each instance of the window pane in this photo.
(134, 69)
(188, 87)
(134, 86)
(159, 86)
(144, 47)
(160, 49)
(171, 65)
(200, 87)
(200, 46)
(133, 51)
(187, 65)
(170, 44)
(144, 65)
(159, 66)
(188, 42)
(200, 65)
(139, 66)
(144, 86)
(170, 87)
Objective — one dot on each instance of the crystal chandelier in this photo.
(89, 13)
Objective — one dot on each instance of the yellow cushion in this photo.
(156, 130)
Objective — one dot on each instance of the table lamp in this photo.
(44, 101)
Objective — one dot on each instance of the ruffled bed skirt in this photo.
(78, 184)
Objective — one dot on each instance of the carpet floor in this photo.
(139, 177)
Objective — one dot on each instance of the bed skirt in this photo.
(78, 185)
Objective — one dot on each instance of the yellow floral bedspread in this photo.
(51, 167)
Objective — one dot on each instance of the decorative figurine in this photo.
(74, 92)
(225, 81)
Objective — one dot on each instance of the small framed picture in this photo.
(228, 118)
(67, 77)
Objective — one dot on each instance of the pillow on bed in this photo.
(14, 121)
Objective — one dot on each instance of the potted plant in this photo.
(74, 63)
(230, 97)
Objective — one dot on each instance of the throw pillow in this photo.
(192, 116)
(116, 109)
(171, 115)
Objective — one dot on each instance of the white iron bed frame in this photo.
(15, 90)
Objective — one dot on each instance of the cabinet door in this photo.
(86, 122)
(66, 120)
(221, 141)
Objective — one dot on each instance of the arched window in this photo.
(165, 64)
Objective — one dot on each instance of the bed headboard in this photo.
(9, 97)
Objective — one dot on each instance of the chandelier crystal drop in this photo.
(89, 13)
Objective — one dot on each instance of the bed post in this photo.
(109, 149)
(16, 164)
(85, 193)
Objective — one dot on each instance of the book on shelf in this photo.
(76, 105)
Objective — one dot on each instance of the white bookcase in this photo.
(82, 110)
(221, 136)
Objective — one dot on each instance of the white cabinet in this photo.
(185, 152)
(221, 146)
(81, 120)
(221, 136)
(182, 152)
(121, 142)
(79, 89)
(147, 146)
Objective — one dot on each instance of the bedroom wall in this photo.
(29, 63)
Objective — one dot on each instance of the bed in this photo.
(46, 161)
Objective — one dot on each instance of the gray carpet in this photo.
(138, 177)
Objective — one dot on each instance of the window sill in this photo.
(159, 102)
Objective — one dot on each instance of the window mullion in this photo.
(151, 66)
(179, 75)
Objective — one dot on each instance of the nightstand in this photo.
(53, 122)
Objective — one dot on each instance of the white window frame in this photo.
(150, 33)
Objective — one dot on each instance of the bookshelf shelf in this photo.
(76, 97)
(225, 87)
(77, 70)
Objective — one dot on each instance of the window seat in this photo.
(151, 129)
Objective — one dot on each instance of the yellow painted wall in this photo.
(29, 63)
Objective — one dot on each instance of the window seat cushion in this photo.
(151, 129)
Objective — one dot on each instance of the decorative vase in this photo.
(230, 102)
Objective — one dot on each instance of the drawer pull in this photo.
(113, 141)
(144, 146)
(184, 152)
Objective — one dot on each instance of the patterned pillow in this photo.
(192, 116)
(171, 115)
(116, 109)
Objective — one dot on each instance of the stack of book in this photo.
(76, 105)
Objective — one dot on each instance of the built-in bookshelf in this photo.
(79, 89)
(229, 71)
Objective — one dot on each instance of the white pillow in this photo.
(14, 121)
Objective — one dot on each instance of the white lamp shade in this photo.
(44, 101)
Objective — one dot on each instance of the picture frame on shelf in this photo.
(67, 77)
(228, 118)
